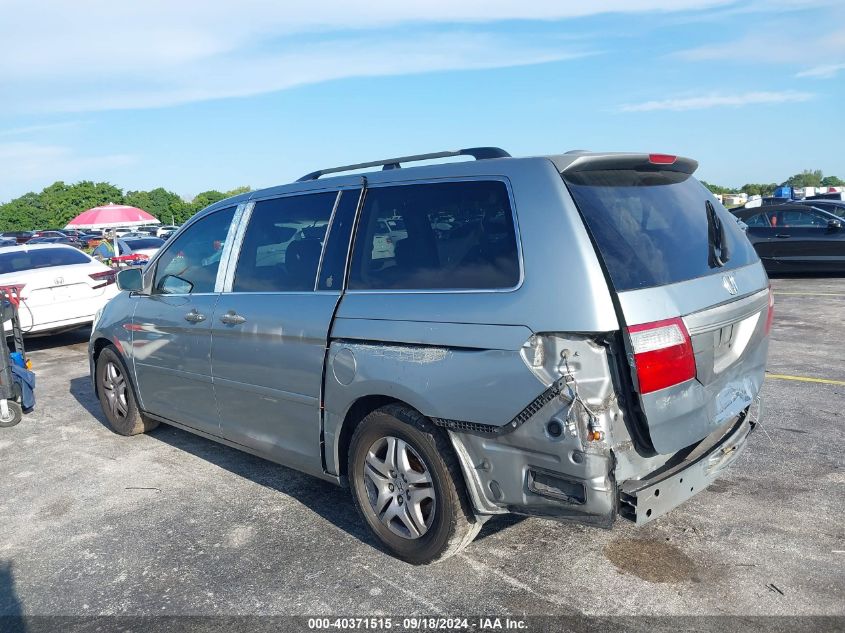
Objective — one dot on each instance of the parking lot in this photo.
(170, 523)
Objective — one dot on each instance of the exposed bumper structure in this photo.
(584, 486)
(646, 499)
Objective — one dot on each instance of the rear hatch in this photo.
(689, 288)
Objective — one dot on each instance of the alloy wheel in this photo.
(115, 389)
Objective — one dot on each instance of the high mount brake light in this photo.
(106, 277)
(661, 159)
(663, 354)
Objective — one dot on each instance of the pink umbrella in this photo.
(111, 216)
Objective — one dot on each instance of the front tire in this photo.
(117, 397)
(407, 485)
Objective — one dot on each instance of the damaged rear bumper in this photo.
(507, 476)
(646, 499)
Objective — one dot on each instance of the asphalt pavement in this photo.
(168, 523)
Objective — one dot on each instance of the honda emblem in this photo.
(59, 281)
(729, 283)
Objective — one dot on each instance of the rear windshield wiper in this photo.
(719, 254)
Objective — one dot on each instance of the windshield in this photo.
(654, 228)
(17, 261)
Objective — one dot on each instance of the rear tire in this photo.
(117, 396)
(15, 415)
(407, 485)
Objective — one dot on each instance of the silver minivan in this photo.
(580, 336)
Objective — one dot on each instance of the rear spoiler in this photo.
(577, 161)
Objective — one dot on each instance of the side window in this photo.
(190, 263)
(282, 244)
(337, 246)
(439, 236)
(799, 218)
(759, 220)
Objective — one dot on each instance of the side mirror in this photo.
(834, 225)
(130, 279)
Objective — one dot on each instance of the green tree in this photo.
(206, 198)
(807, 178)
(832, 181)
(164, 205)
(64, 202)
(717, 188)
(759, 189)
(23, 213)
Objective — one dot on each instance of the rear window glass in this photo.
(451, 235)
(40, 258)
(651, 227)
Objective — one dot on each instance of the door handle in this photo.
(782, 235)
(231, 318)
(194, 317)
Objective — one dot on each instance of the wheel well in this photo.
(359, 410)
(99, 345)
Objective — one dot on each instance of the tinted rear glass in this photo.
(16, 261)
(651, 227)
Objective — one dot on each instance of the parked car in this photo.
(51, 239)
(22, 237)
(796, 237)
(763, 202)
(836, 207)
(8, 241)
(833, 195)
(150, 229)
(166, 229)
(120, 232)
(146, 247)
(592, 346)
(90, 240)
(62, 287)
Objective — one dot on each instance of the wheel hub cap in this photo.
(399, 487)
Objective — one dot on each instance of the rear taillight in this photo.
(770, 315)
(662, 354)
(104, 278)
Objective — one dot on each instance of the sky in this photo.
(197, 95)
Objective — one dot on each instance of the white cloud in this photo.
(31, 165)
(825, 71)
(717, 100)
(37, 129)
(98, 54)
(776, 42)
(250, 74)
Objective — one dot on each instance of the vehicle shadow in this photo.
(329, 501)
(11, 609)
(82, 391)
(51, 341)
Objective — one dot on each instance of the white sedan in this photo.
(61, 287)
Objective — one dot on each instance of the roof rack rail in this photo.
(478, 153)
